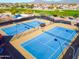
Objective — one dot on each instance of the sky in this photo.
(54, 0)
(14, 1)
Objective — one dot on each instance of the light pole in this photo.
(77, 54)
(72, 49)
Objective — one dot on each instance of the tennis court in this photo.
(18, 28)
(50, 44)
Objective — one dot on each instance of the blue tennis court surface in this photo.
(50, 44)
(18, 28)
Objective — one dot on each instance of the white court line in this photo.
(47, 45)
(50, 47)
(49, 41)
(56, 51)
(28, 52)
(25, 43)
(67, 38)
(35, 40)
(74, 35)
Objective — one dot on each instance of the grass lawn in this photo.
(43, 12)
(58, 12)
